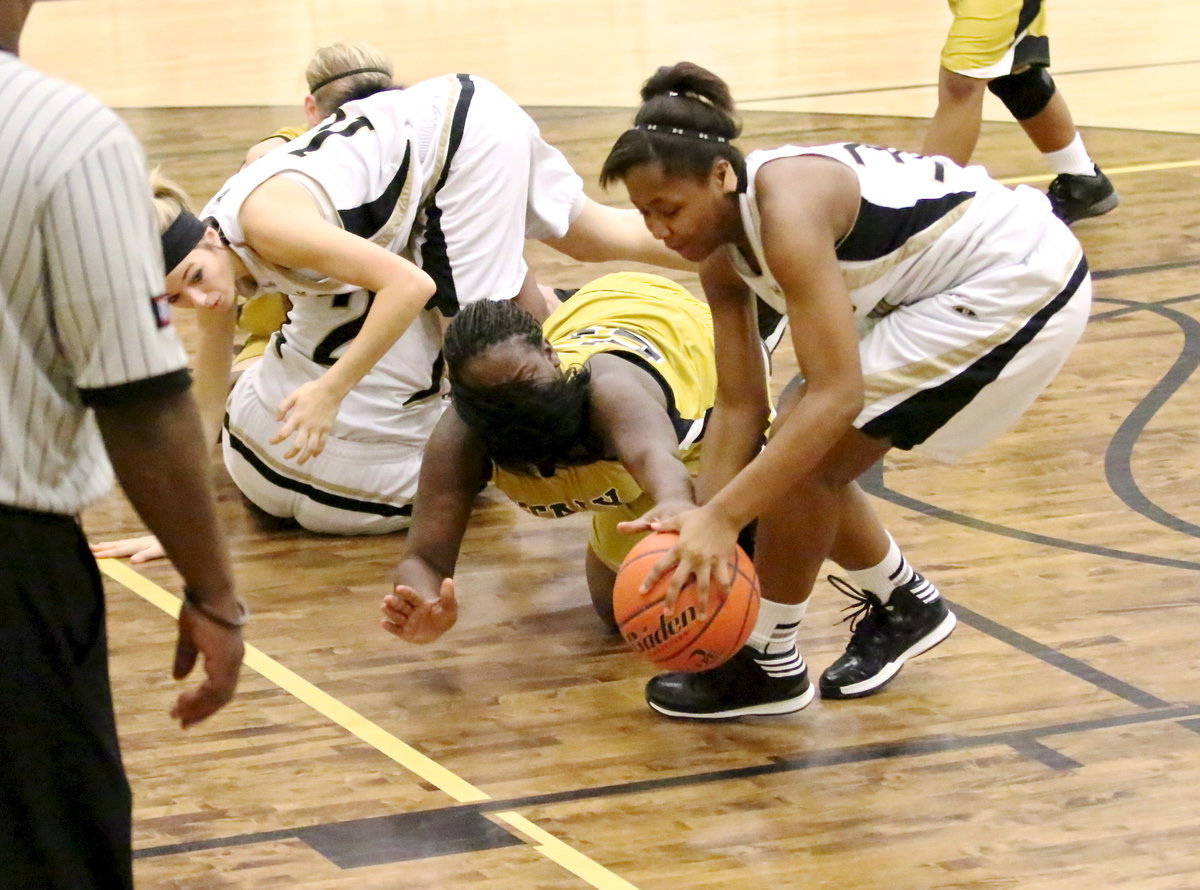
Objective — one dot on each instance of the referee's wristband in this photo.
(191, 600)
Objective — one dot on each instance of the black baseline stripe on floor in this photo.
(406, 836)
(1054, 657)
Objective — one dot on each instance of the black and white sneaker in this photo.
(749, 683)
(884, 636)
(1075, 196)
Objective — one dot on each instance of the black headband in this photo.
(680, 131)
(331, 78)
(180, 238)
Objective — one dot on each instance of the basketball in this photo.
(683, 641)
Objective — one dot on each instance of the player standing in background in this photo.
(90, 365)
(1001, 45)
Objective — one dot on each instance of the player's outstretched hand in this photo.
(222, 649)
(411, 617)
(142, 549)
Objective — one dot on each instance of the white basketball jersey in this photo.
(924, 225)
(401, 169)
(369, 166)
(389, 398)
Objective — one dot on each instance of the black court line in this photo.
(862, 91)
(1058, 659)
(463, 828)
(400, 836)
(1145, 270)
(374, 841)
(1118, 460)
(1044, 754)
(872, 482)
(1133, 306)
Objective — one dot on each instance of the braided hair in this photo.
(528, 427)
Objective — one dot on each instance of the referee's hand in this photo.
(222, 650)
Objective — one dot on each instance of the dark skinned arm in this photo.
(158, 450)
(422, 604)
(743, 404)
(807, 204)
(629, 412)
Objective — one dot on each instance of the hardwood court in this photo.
(1053, 742)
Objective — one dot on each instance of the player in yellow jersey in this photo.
(1002, 46)
(600, 409)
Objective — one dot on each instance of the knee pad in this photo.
(1024, 94)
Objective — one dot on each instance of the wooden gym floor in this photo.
(1052, 743)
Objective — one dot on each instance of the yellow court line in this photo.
(565, 855)
(1110, 171)
(378, 738)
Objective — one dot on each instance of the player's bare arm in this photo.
(282, 224)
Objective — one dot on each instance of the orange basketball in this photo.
(683, 641)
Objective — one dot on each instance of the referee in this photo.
(88, 364)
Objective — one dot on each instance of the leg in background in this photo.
(954, 130)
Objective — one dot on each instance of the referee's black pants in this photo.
(65, 806)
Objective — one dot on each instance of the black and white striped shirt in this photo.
(82, 321)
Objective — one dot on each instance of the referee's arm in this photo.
(154, 438)
(104, 265)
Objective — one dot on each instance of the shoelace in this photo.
(864, 604)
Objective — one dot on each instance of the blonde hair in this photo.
(329, 78)
(169, 199)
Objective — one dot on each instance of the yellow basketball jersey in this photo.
(659, 327)
(288, 133)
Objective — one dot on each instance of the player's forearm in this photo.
(421, 575)
(157, 449)
(210, 383)
(393, 310)
(798, 444)
(601, 233)
(734, 435)
(665, 479)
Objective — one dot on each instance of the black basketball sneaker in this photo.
(885, 635)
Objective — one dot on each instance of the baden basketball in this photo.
(683, 641)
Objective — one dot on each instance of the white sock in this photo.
(889, 574)
(774, 638)
(1073, 159)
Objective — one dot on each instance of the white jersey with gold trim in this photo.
(924, 225)
(969, 296)
(449, 173)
